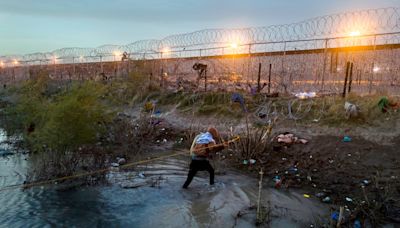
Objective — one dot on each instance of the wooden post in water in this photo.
(269, 78)
(259, 78)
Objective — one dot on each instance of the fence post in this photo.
(372, 67)
(345, 79)
(324, 64)
(259, 78)
(205, 80)
(101, 64)
(350, 77)
(248, 66)
(269, 78)
(282, 79)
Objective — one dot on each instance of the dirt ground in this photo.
(349, 173)
(362, 175)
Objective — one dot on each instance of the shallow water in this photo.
(151, 196)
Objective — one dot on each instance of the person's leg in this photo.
(210, 169)
(191, 174)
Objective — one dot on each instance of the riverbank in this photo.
(343, 162)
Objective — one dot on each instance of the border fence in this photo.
(312, 55)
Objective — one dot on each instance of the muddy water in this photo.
(151, 196)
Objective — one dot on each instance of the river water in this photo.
(150, 196)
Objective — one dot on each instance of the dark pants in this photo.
(199, 165)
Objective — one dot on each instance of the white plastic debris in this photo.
(121, 161)
(114, 164)
(305, 95)
(141, 175)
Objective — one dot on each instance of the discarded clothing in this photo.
(288, 138)
(384, 104)
(351, 109)
(236, 97)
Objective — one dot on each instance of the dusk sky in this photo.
(43, 25)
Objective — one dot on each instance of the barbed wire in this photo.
(373, 21)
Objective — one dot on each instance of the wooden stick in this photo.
(259, 217)
(217, 145)
(339, 222)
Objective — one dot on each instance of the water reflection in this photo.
(120, 204)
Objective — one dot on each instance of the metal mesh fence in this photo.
(308, 55)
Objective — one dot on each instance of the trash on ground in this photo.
(238, 98)
(278, 181)
(335, 216)
(293, 170)
(347, 139)
(306, 196)
(305, 95)
(289, 138)
(327, 199)
(349, 199)
(320, 194)
(141, 175)
(114, 164)
(357, 224)
(121, 161)
(252, 161)
(149, 106)
(385, 105)
(352, 110)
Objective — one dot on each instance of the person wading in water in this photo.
(203, 145)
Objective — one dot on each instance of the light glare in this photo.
(355, 33)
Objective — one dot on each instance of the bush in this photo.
(73, 118)
(58, 125)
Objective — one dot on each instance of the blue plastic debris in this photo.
(335, 216)
(357, 224)
(347, 139)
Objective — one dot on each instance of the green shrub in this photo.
(74, 118)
